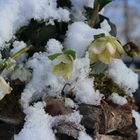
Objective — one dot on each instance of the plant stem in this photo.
(17, 54)
(94, 15)
(136, 70)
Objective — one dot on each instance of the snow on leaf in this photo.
(21, 73)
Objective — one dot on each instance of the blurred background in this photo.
(126, 16)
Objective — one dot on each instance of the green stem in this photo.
(20, 52)
(136, 70)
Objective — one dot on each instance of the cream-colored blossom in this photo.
(4, 88)
(105, 49)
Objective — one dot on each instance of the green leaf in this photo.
(99, 35)
(71, 53)
(54, 56)
(98, 67)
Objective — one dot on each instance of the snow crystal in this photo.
(117, 99)
(43, 80)
(53, 46)
(37, 125)
(105, 26)
(84, 136)
(123, 76)
(18, 45)
(136, 115)
(79, 36)
(16, 13)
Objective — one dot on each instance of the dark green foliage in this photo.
(36, 33)
(64, 3)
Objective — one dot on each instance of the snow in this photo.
(117, 99)
(85, 93)
(105, 26)
(79, 36)
(69, 103)
(136, 115)
(37, 125)
(74, 117)
(84, 136)
(17, 13)
(53, 46)
(123, 76)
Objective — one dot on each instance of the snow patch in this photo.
(37, 125)
(84, 136)
(53, 46)
(123, 76)
(105, 26)
(117, 99)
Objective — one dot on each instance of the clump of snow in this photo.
(85, 92)
(53, 46)
(79, 36)
(37, 125)
(123, 76)
(105, 26)
(117, 99)
(136, 115)
(43, 80)
(17, 46)
(84, 136)
(69, 103)
(15, 14)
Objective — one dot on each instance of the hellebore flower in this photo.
(63, 63)
(105, 49)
